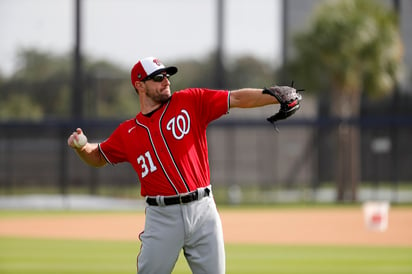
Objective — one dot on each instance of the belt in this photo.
(178, 199)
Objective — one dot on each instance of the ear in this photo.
(138, 85)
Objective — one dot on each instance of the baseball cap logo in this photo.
(157, 62)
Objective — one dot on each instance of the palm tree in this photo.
(351, 47)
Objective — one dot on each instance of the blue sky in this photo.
(123, 31)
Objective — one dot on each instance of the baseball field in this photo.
(258, 240)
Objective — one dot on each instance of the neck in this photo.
(150, 106)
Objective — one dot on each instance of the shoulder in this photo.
(196, 92)
(126, 123)
(125, 126)
(183, 95)
(187, 92)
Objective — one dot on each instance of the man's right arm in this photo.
(89, 153)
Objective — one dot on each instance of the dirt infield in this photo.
(337, 226)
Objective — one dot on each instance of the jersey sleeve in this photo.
(113, 148)
(212, 104)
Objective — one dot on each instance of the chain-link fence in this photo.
(249, 161)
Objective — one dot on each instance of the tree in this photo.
(41, 86)
(43, 80)
(351, 47)
(240, 72)
(247, 71)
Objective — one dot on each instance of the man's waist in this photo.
(183, 198)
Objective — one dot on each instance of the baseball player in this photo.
(166, 145)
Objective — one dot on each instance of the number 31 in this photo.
(141, 160)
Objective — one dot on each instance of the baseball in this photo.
(81, 140)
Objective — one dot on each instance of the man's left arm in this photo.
(250, 98)
(287, 97)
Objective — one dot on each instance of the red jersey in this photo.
(168, 149)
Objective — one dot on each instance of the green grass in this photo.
(35, 256)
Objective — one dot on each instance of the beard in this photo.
(158, 96)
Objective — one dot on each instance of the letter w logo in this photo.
(180, 125)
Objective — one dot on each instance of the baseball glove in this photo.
(288, 98)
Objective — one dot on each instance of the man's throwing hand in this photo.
(77, 139)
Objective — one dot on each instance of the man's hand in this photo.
(77, 139)
(288, 98)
